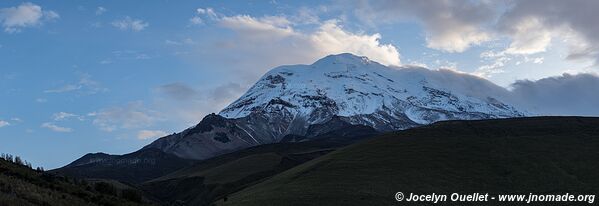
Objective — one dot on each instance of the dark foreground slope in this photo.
(544, 155)
(20, 185)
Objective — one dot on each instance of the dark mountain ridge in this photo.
(134, 167)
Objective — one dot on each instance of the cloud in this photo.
(130, 55)
(189, 105)
(494, 63)
(451, 26)
(150, 134)
(538, 60)
(100, 10)
(56, 128)
(561, 95)
(14, 120)
(178, 91)
(203, 12)
(14, 19)
(128, 23)
(4, 123)
(528, 26)
(329, 38)
(307, 15)
(535, 60)
(85, 84)
(133, 115)
(196, 20)
(459, 82)
(271, 41)
(528, 36)
(209, 12)
(532, 24)
(106, 61)
(186, 41)
(259, 29)
(61, 116)
(225, 94)
(65, 88)
(568, 94)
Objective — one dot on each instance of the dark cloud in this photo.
(178, 91)
(225, 93)
(562, 95)
(449, 25)
(459, 82)
(530, 25)
(575, 19)
(190, 104)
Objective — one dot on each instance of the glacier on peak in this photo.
(352, 85)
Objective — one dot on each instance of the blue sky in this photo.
(112, 76)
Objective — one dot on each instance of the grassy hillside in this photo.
(201, 185)
(20, 185)
(545, 155)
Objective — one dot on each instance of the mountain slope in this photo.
(216, 177)
(338, 89)
(20, 185)
(543, 155)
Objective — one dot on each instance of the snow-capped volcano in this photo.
(363, 92)
(344, 89)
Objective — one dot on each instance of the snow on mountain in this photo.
(305, 99)
(348, 86)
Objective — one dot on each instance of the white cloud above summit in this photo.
(278, 35)
(270, 41)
